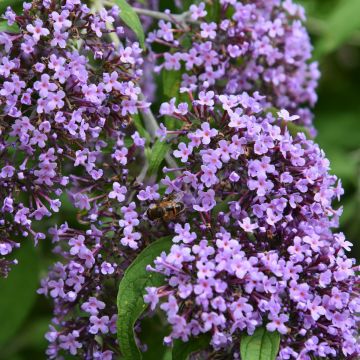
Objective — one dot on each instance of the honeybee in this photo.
(168, 209)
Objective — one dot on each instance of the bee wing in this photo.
(177, 197)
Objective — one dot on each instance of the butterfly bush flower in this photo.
(255, 246)
(67, 94)
(248, 45)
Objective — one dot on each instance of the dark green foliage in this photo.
(262, 345)
(131, 19)
(130, 297)
(182, 351)
(18, 292)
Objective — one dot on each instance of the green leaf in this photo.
(167, 355)
(340, 25)
(157, 155)
(153, 331)
(5, 27)
(186, 41)
(172, 123)
(214, 10)
(344, 165)
(171, 83)
(262, 345)
(131, 19)
(182, 350)
(140, 127)
(15, 5)
(130, 300)
(186, 4)
(18, 291)
(295, 129)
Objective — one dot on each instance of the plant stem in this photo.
(150, 122)
(180, 20)
(175, 18)
(152, 126)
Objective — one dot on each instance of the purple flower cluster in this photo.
(83, 288)
(84, 285)
(77, 286)
(255, 247)
(254, 46)
(67, 95)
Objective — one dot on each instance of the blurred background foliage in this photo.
(334, 26)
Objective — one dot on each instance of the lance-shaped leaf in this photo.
(214, 10)
(131, 19)
(140, 127)
(157, 155)
(130, 301)
(262, 345)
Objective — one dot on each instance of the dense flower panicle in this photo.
(67, 97)
(251, 45)
(67, 94)
(256, 248)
